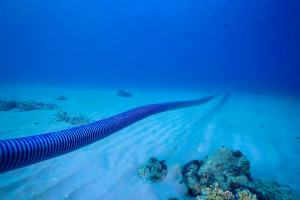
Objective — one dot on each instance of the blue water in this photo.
(176, 43)
(157, 51)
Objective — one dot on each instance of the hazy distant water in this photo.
(151, 42)
(160, 44)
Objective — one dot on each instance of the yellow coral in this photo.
(214, 193)
(245, 195)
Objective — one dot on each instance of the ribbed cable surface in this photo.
(20, 152)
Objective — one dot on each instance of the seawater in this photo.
(68, 63)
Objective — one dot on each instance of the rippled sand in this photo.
(264, 127)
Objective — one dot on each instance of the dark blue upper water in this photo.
(151, 42)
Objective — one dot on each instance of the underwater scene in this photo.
(150, 99)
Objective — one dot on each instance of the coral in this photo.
(245, 195)
(231, 170)
(227, 167)
(32, 105)
(25, 105)
(190, 177)
(270, 190)
(72, 119)
(153, 169)
(123, 93)
(215, 193)
(7, 105)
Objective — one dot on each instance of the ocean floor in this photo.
(264, 126)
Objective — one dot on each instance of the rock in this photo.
(231, 171)
(32, 105)
(191, 178)
(7, 105)
(49, 106)
(72, 119)
(61, 98)
(226, 167)
(153, 170)
(25, 105)
(123, 93)
(270, 190)
(29, 106)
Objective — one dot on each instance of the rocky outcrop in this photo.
(231, 171)
(32, 105)
(191, 178)
(61, 98)
(25, 105)
(226, 167)
(153, 170)
(124, 93)
(7, 105)
(270, 190)
(75, 120)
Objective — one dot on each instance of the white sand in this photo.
(264, 127)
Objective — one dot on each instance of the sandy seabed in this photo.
(264, 127)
